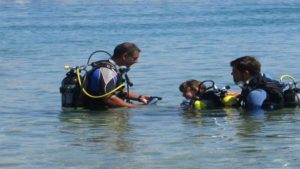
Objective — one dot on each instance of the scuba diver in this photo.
(201, 96)
(259, 91)
(104, 86)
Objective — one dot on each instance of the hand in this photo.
(144, 99)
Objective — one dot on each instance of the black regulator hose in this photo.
(97, 51)
(210, 87)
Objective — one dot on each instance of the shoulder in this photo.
(104, 72)
(256, 98)
(108, 73)
(257, 93)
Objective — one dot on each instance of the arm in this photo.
(115, 101)
(140, 98)
(255, 99)
(107, 80)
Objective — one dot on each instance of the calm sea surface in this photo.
(180, 40)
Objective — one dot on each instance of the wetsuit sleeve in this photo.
(256, 98)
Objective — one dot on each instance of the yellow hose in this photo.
(92, 96)
(288, 76)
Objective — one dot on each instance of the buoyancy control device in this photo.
(213, 97)
(73, 86)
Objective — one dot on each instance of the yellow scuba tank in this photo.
(230, 101)
(198, 104)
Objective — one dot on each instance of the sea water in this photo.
(180, 40)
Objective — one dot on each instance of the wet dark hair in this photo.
(124, 48)
(192, 85)
(247, 63)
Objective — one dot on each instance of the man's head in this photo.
(244, 68)
(126, 54)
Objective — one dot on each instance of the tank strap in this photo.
(104, 63)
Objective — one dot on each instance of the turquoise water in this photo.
(179, 41)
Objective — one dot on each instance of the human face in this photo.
(188, 94)
(237, 75)
(130, 60)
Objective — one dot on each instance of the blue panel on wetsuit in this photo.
(256, 98)
(95, 87)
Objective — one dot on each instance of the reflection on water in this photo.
(249, 137)
(109, 129)
(199, 116)
(253, 123)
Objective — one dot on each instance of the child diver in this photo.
(200, 96)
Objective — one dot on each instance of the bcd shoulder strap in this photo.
(104, 63)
